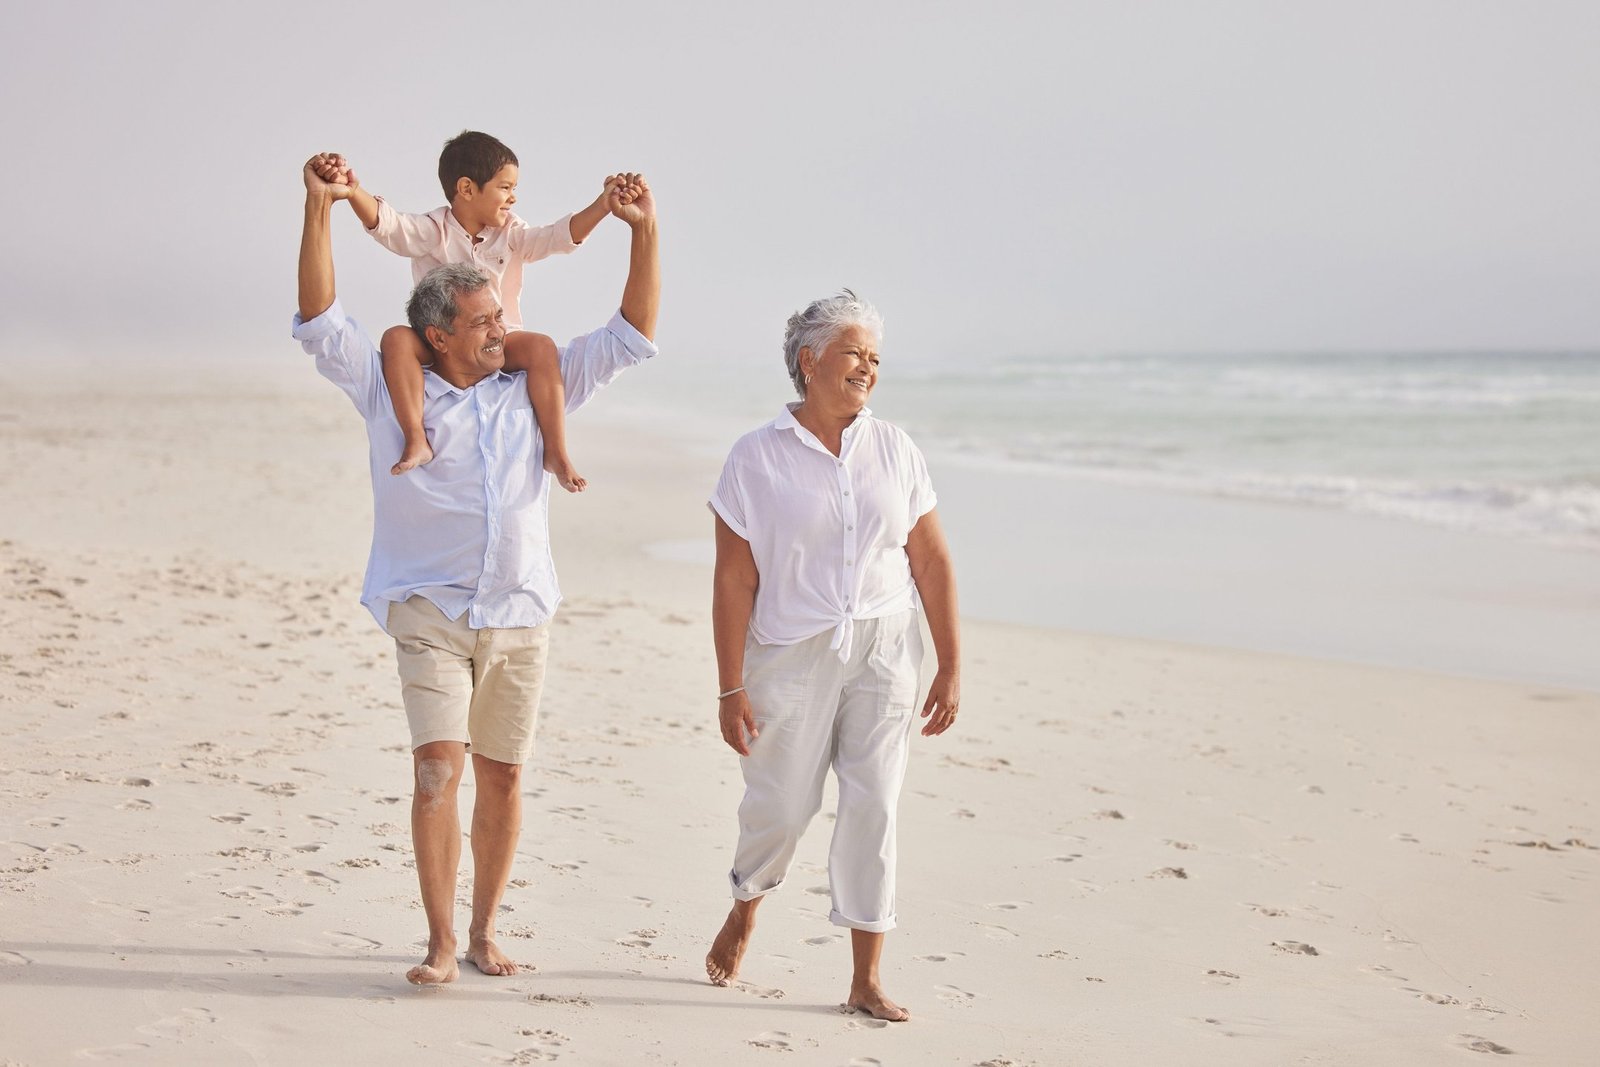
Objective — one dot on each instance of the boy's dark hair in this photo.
(470, 154)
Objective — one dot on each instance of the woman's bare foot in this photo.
(561, 468)
(438, 968)
(415, 454)
(722, 962)
(485, 955)
(871, 1000)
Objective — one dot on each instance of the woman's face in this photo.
(844, 374)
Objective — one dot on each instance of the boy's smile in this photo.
(480, 207)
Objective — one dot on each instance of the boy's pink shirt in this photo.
(436, 238)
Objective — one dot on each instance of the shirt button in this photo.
(849, 527)
(847, 492)
(849, 563)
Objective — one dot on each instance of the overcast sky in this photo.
(1000, 178)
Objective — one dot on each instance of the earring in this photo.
(808, 379)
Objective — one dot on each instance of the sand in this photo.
(1130, 852)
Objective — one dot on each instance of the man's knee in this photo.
(495, 777)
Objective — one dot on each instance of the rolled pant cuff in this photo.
(878, 926)
(741, 893)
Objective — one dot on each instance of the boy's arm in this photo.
(335, 170)
(584, 221)
(406, 235)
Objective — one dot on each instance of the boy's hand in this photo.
(629, 199)
(328, 179)
(335, 169)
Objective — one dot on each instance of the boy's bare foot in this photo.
(438, 968)
(415, 454)
(485, 955)
(561, 468)
(870, 999)
(722, 962)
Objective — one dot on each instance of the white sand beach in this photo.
(1130, 852)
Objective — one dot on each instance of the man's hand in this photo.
(326, 174)
(629, 199)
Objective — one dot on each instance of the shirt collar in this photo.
(434, 386)
(787, 421)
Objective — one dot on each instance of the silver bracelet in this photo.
(729, 693)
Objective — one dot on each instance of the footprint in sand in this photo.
(1294, 948)
(775, 1040)
(818, 890)
(1223, 976)
(1474, 1043)
(937, 957)
(866, 1061)
(954, 995)
(136, 804)
(823, 939)
(231, 816)
(178, 1026)
(341, 939)
(859, 1023)
(1009, 905)
(759, 991)
(1068, 858)
(996, 933)
(13, 959)
(1271, 913)
(114, 1052)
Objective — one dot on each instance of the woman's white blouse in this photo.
(828, 532)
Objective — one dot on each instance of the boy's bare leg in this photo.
(403, 359)
(722, 962)
(436, 840)
(538, 355)
(496, 822)
(865, 992)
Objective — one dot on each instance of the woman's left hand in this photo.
(944, 700)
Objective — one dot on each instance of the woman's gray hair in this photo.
(819, 324)
(433, 301)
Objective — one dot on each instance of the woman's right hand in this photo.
(738, 721)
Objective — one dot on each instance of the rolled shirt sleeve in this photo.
(594, 360)
(345, 355)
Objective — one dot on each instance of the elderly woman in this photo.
(827, 538)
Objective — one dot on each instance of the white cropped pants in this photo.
(815, 712)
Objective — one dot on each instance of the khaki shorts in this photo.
(480, 687)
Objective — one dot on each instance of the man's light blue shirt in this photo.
(470, 529)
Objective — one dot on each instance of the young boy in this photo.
(479, 176)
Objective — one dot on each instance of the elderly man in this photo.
(460, 573)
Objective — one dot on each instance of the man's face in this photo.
(476, 347)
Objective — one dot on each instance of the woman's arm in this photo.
(935, 576)
(733, 597)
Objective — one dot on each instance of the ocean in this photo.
(1505, 443)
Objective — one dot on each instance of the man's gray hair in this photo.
(433, 301)
(819, 324)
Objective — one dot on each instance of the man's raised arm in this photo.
(631, 201)
(316, 244)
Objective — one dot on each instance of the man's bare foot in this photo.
(561, 468)
(870, 999)
(485, 955)
(722, 962)
(415, 454)
(438, 968)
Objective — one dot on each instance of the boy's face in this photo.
(491, 203)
